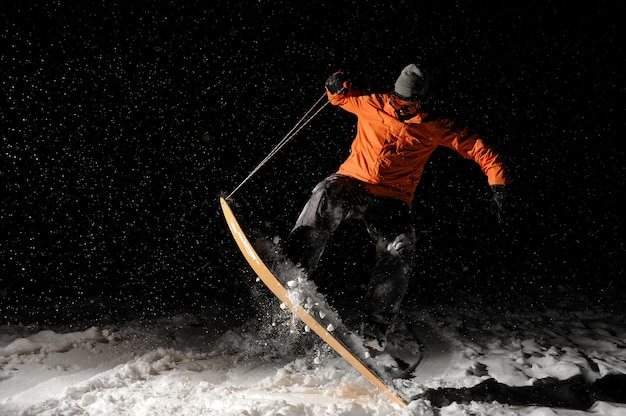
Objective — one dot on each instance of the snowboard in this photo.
(401, 356)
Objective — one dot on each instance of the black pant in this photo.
(388, 222)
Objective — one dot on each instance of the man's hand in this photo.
(338, 83)
(500, 194)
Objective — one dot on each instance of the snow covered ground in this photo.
(199, 364)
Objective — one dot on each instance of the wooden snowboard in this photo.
(340, 339)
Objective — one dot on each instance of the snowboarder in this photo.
(395, 136)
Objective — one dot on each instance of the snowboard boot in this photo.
(374, 336)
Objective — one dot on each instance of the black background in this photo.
(123, 122)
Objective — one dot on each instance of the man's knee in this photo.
(403, 245)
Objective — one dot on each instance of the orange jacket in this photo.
(389, 155)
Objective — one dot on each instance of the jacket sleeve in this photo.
(349, 102)
(472, 146)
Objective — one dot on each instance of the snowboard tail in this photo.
(337, 338)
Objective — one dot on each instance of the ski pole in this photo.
(290, 135)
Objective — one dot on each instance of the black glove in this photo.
(500, 194)
(338, 83)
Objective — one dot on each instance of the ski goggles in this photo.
(404, 106)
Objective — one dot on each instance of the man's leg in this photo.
(390, 224)
(331, 201)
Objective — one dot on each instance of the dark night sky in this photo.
(124, 121)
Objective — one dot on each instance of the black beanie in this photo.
(412, 83)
